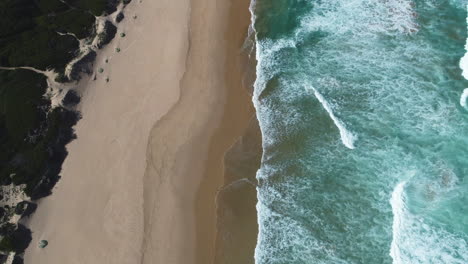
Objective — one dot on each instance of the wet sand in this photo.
(236, 213)
(186, 151)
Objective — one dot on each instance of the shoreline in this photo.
(238, 111)
(207, 121)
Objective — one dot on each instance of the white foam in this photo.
(464, 60)
(369, 17)
(464, 67)
(463, 98)
(398, 204)
(346, 136)
(418, 241)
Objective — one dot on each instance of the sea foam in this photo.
(381, 97)
(397, 202)
(464, 67)
(464, 62)
(416, 236)
(347, 137)
(463, 98)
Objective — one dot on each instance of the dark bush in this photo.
(96, 7)
(7, 229)
(3, 258)
(21, 238)
(18, 260)
(119, 17)
(25, 208)
(16, 240)
(109, 33)
(2, 212)
(84, 65)
(71, 98)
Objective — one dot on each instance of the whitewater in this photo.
(363, 110)
(464, 67)
(346, 136)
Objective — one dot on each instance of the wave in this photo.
(347, 137)
(463, 98)
(398, 204)
(464, 62)
(381, 89)
(464, 67)
(417, 236)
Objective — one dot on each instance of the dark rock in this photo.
(3, 258)
(71, 98)
(2, 212)
(119, 17)
(109, 33)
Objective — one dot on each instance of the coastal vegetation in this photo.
(41, 35)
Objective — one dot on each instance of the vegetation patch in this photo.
(42, 34)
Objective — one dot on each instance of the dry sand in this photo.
(174, 102)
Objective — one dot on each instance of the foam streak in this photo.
(463, 98)
(346, 137)
(464, 67)
(398, 206)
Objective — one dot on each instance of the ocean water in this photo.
(363, 111)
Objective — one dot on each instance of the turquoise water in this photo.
(365, 133)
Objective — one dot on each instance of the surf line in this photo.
(347, 137)
(464, 67)
(398, 207)
(463, 98)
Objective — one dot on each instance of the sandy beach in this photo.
(187, 146)
(139, 184)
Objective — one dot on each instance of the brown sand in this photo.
(236, 218)
(177, 69)
(187, 147)
(237, 215)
